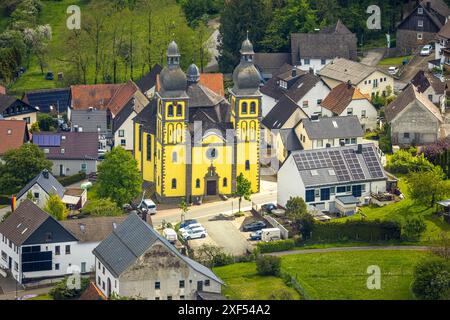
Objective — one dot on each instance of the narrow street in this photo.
(213, 43)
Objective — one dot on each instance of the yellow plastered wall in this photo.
(148, 173)
(175, 117)
(201, 163)
(175, 170)
(158, 177)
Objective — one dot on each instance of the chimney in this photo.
(359, 151)
(311, 70)
(314, 118)
(294, 72)
(349, 84)
(428, 5)
(45, 173)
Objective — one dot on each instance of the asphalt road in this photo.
(212, 209)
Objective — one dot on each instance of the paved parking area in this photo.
(227, 234)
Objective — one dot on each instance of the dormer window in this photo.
(283, 84)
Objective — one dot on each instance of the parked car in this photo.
(393, 70)
(194, 233)
(268, 207)
(148, 206)
(256, 236)
(271, 234)
(191, 226)
(49, 76)
(426, 50)
(254, 226)
(187, 222)
(170, 235)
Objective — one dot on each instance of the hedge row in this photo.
(375, 230)
(67, 181)
(5, 200)
(275, 246)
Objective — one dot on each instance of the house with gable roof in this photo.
(413, 119)
(136, 261)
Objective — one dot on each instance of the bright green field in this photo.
(343, 275)
(393, 61)
(325, 276)
(42, 297)
(400, 210)
(243, 283)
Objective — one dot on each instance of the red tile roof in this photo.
(96, 96)
(121, 97)
(13, 134)
(92, 293)
(213, 81)
(341, 96)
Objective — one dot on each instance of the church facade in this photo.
(191, 142)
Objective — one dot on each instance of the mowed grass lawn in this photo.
(343, 275)
(243, 283)
(393, 61)
(400, 210)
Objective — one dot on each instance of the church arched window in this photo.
(244, 107)
(174, 183)
(174, 157)
(170, 110)
(197, 183)
(179, 110)
(225, 182)
(247, 165)
(253, 107)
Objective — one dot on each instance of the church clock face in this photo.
(212, 153)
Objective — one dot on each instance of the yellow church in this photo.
(191, 142)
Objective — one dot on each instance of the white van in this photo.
(148, 206)
(270, 234)
(170, 235)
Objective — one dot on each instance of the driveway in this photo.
(3, 211)
(226, 234)
(8, 286)
(418, 63)
(372, 57)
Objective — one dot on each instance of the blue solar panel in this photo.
(47, 140)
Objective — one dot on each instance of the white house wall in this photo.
(370, 121)
(40, 201)
(127, 128)
(319, 92)
(289, 182)
(267, 104)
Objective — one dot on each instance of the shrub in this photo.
(62, 292)
(276, 246)
(56, 208)
(101, 207)
(5, 200)
(6, 216)
(413, 227)
(403, 162)
(432, 280)
(281, 294)
(268, 265)
(375, 230)
(66, 181)
(213, 256)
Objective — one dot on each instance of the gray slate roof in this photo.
(130, 240)
(280, 113)
(89, 120)
(333, 127)
(329, 43)
(269, 63)
(290, 140)
(49, 185)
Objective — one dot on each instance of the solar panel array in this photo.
(353, 164)
(342, 173)
(345, 163)
(372, 162)
(44, 100)
(313, 160)
(43, 140)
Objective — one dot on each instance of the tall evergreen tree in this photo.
(238, 17)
